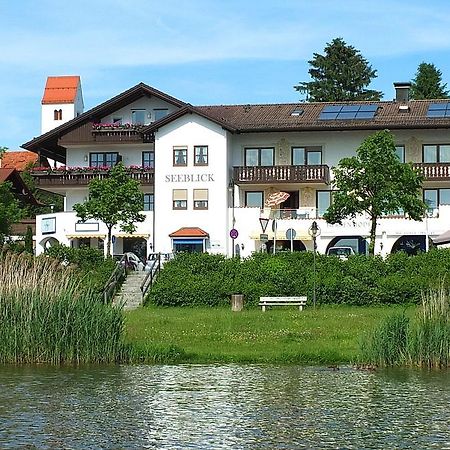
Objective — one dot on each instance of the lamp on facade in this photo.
(314, 231)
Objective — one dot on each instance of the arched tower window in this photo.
(57, 114)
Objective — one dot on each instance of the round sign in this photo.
(290, 233)
(234, 233)
(113, 239)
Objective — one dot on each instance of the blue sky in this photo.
(203, 52)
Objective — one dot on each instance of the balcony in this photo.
(116, 135)
(81, 176)
(434, 171)
(281, 174)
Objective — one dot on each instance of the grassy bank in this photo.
(327, 335)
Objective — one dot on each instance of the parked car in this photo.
(340, 252)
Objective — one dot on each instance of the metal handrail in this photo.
(151, 275)
(118, 274)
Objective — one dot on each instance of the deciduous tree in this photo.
(375, 182)
(427, 83)
(341, 74)
(116, 200)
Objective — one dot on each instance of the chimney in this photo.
(402, 91)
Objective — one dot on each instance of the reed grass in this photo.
(422, 342)
(49, 315)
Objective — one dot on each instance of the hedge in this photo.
(193, 279)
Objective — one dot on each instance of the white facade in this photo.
(176, 183)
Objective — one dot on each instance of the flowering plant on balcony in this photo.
(85, 169)
(102, 126)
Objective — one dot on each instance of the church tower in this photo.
(62, 101)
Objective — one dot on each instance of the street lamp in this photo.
(314, 231)
(233, 220)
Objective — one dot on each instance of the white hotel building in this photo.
(205, 170)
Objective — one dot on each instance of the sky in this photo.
(203, 52)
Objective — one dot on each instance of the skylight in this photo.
(348, 112)
(439, 110)
(297, 112)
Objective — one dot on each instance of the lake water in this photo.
(222, 407)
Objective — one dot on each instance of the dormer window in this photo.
(57, 114)
(138, 116)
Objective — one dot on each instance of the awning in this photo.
(188, 241)
(281, 236)
(443, 238)
(124, 235)
(85, 235)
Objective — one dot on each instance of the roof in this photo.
(189, 232)
(279, 117)
(48, 142)
(61, 90)
(18, 160)
(20, 189)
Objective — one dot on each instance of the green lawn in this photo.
(329, 334)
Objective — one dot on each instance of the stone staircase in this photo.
(130, 294)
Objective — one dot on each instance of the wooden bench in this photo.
(282, 301)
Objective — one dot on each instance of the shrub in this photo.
(203, 279)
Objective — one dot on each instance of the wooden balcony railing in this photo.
(434, 171)
(284, 174)
(81, 178)
(118, 135)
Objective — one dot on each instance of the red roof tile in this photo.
(61, 90)
(18, 160)
(189, 232)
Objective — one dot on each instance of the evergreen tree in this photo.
(427, 83)
(340, 74)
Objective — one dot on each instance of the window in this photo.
(200, 198)
(259, 156)
(254, 199)
(160, 113)
(311, 156)
(179, 199)
(436, 153)
(148, 160)
(103, 159)
(57, 114)
(138, 116)
(201, 155)
(435, 197)
(117, 120)
(180, 156)
(149, 202)
(323, 201)
(400, 152)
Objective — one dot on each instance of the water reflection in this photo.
(222, 407)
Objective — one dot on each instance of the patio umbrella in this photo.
(276, 198)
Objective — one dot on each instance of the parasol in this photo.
(276, 198)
